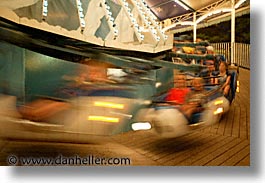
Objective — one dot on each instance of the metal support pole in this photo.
(233, 19)
(194, 28)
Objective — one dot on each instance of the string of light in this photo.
(110, 19)
(146, 21)
(81, 15)
(152, 20)
(138, 30)
(44, 9)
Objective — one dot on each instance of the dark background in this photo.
(222, 32)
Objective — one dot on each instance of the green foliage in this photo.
(222, 32)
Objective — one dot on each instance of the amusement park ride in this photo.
(72, 87)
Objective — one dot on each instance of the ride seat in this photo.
(233, 84)
(195, 118)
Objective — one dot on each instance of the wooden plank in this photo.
(228, 154)
(248, 123)
(219, 142)
(133, 137)
(162, 147)
(180, 150)
(218, 151)
(3, 143)
(238, 157)
(176, 149)
(243, 123)
(206, 129)
(138, 142)
(222, 124)
(198, 152)
(244, 162)
(214, 128)
(236, 124)
(230, 121)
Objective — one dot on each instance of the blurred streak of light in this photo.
(103, 118)
(108, 105)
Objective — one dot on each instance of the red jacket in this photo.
(177, 95)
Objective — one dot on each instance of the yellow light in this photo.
(237, 88)
(108, 105)
(217, 102)
(218, 111)
(103, 118)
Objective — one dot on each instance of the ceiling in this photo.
(63, 19)
(164, 9)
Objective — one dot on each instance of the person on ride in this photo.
(179, 92)
(223, 78)
(195, 99)
(209, 72)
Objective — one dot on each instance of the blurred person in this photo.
(210, 50)
(195, 99)
(179, 92)
(40, 110)
(90, 71)
(224, 78)
(209, 72)
(96, 71)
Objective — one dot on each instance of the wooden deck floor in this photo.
(226, 143)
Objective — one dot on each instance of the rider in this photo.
(224, 78)
(195, 99)
(178, 94)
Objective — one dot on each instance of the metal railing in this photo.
(241, 56)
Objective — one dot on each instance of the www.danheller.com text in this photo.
(89, 160)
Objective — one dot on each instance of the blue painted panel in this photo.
(12, 70)
(44, 74)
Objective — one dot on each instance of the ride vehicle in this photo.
(123, 102)
(89, 110)
(167, 120)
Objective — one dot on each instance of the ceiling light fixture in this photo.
(182, 4)
(239, 3)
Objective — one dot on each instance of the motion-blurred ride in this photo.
(73, 109)
(168, 121)
(123, 102)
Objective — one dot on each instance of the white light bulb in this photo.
(133, 20)
(111, 19)
(45, 3)
(136, 26)
(116, 32)
(81, 15)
